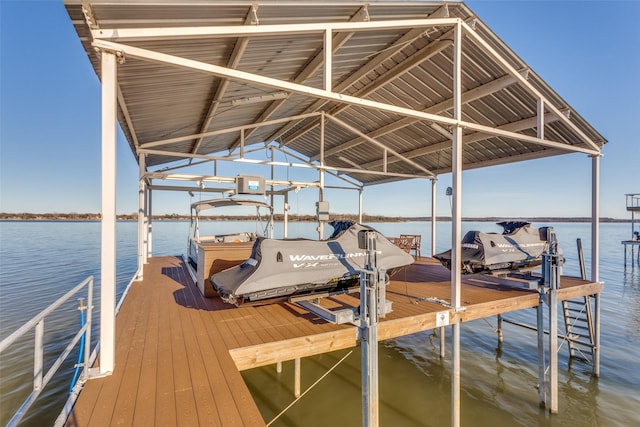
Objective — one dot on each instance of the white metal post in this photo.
(433, 216)
(142, 210)
(327, 85)
(272, 196)
(540, 118)
(150, 223)
(145, 245)
(321, 175)
(595, 218)
(360, 205)
(456, 227)
(595, 256)
(108, 228)
(328, 60)
(286, 216)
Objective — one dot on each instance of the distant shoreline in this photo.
(293, 218)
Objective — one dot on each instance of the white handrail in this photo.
(37, 322)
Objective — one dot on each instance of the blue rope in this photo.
(80, 354)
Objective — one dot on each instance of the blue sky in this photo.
(588, 51)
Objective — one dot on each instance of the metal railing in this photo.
(633, 201)
(41, 379)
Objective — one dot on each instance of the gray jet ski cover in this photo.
(278, 268)
(520, 245)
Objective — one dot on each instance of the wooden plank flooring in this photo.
(179, 355)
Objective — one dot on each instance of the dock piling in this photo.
(369, 313)
(296, 378)
(552, 262)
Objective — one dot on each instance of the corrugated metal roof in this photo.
(404, 67)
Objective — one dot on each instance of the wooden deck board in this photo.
(178, 354)
(165, 404)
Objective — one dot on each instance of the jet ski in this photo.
(280, 268)
(518, 248)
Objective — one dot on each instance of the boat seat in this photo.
(411, 243)
(403, 243)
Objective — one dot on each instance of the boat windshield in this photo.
(263, 213)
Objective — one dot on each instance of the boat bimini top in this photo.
(194, 228)
(278, 269)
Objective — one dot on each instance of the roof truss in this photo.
(374, 122)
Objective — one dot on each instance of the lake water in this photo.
(40, 261)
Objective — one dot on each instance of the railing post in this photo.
(38, 357)
(87, 333)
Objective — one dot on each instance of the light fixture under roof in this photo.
(262, 98)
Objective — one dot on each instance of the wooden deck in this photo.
(179, 355)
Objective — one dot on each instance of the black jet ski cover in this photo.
(519, 246)
(279, 268)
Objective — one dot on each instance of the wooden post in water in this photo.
(296, 378)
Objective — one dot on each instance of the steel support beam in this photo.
(321, 174)
(595, 255)
(433, 216)
(142, 211)
(324, 94)
(456, 224)
(108, 223)
(175, 33)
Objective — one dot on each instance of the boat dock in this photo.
(340, 101)
(633, 206)
(179, 355)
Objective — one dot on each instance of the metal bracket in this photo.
(93, 373)
(337, 317)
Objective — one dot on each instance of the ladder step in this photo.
(581, 322)
(584, 328)
(579, 342)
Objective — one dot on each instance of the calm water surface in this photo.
(40, 261)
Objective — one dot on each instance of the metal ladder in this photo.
(578, 321)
